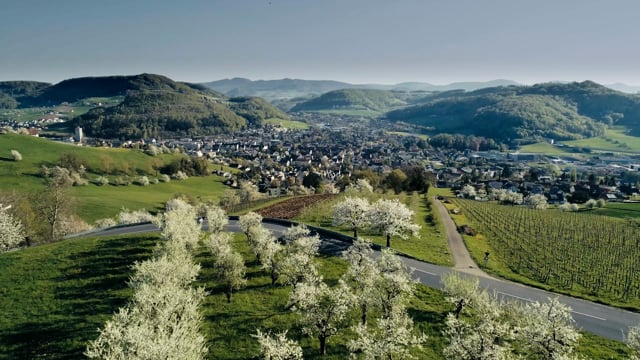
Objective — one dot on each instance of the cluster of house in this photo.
(276, 158)
(612, 178)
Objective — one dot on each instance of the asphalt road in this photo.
(602, 320)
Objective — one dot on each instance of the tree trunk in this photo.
(355, 232)
(229, 291)
(364, 313)
(274, 277)
(388, 240)
(323, 344)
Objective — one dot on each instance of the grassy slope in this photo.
(99, 202)
(619, 210)
(96, 202)
(287, 124)
(56, 296)
(430, 245)
(543, 148)
(614, 140)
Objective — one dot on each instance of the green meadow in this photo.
(56, 296)
(287, 124)
(94, 202)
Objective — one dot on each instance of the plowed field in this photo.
(291, 208)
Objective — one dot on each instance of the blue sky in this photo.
(360, 41)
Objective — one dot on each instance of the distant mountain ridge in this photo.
(291, 88)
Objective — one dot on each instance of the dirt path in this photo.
(461, 258)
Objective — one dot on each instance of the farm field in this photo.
(74, 287)
(594, 257)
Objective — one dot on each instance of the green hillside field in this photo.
(56, 297)
(95, 202)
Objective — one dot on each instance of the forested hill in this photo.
(358, 99)
(72, 90)
(505, 114)
(160, 113)
(12, 93)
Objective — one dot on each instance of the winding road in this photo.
(602, 320)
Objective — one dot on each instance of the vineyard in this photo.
(594, 255)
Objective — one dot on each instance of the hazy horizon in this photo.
(356, 41)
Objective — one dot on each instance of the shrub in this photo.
(127, 216)
(165, 178)
(180, 176)
(590, 204)
(142, 181)
(104, 223)
(15, 155)
(78, 180)
(102, 181)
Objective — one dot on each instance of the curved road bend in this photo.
(602, 320)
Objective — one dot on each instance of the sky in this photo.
(357, 41)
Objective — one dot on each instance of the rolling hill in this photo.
(158, 113)
(552, 110)
(152, 106)
(72, 90)
(372, 100)
(13, 93)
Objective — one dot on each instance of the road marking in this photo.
(529, 300)
(514, 296)
(422, 271)
(591, 316)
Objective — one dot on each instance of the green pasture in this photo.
(94, 202)
(543, 148)
(615, 140)
(619, 210)
(351, 112)
(287, 124)
(402, 133)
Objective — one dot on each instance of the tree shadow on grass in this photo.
(88, 293)
(51, 340)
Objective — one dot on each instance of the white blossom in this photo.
(390, 337)
(352, 211)
(278, 347)
(322, 309)
(11, 231)
(393, 218)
